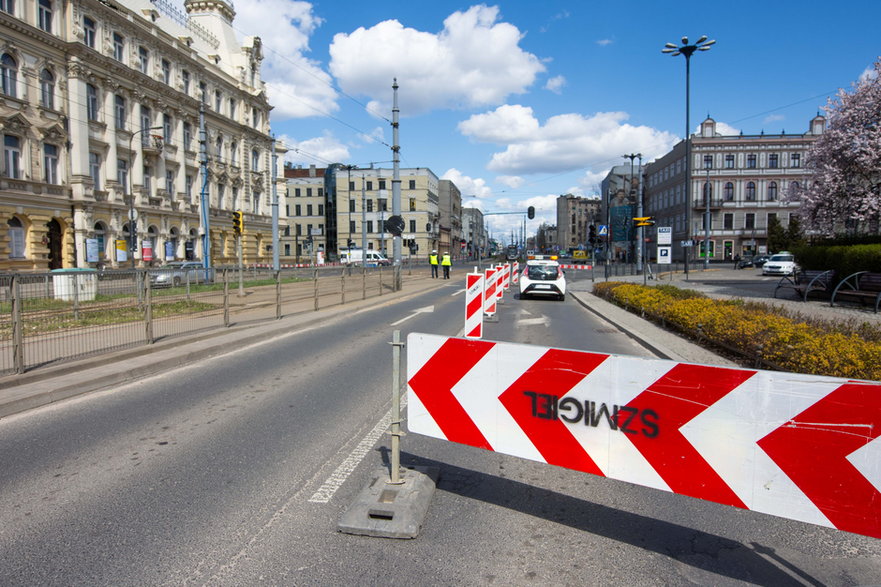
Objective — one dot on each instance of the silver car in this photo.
(179, 273)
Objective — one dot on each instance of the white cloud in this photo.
(772, 118)
(564, 143)
(869, 73)
(319, 151)
(468, 186)
(297, 86)
(555, 84)
(474, 61)
(604, 42)
(512, 181)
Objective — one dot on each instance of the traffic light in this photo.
(644, 221)
(350, 243)
(238, 222)
(592, 234)
(530, 212)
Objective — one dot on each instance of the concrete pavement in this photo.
(50, 384)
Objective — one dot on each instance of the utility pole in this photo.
(274, 175)
(396, 175)
(363, 221)
(203, 195)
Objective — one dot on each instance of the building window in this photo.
(412, 204)
(218, 101)
(9, 7)
(8, 75)
(47, 89)
(16, 238)
(369, 186)
(308, 192)
(91, 102)
(143, 59)
(203, 92)
(148, 180)
(118, 47)
(298, 210)
(297, 192)
(119, 112)
(708, 161)
(219, 148)
(728, 221)
(95, 169)
(750, 221)
(11, 156)
(122, 173)
(166, 71)
(188, 186)
(146, 123)
(351, 205)
(169, 182)
(44, 15)
(729, 192)
(255, 117)
(89, 30)
(382, 184)
(321, 209)
(185, 81)
(772, 191)
(773, 161)
(369, 204)
(234, 153)
(751, 192)
(50, 164)
(255, 160)
(750, 161)
(232, 108)
(412, 184)
(413, 227)
(351, 186)
(235, 198)
(795, 160)
(729, 161)
(188, 135)
(308, 209)
(352, 226)
(167, 128)
(369, 226)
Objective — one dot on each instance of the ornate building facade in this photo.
(100, 121)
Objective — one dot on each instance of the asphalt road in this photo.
(235, 470)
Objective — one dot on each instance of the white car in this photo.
(783, 263)
(543, 276)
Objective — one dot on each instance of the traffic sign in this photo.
(798, 446)
(664, 255)
(603, 230)
(665, 235)
(474, 305)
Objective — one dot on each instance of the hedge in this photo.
(758, 331)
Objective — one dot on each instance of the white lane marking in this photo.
(457, 292)
(425, 310)
(351, 462)
(531, 321)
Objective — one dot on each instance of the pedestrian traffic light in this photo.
(238, 222)
(350, 243)
(643, 221)
(592, 234)
(530, 212)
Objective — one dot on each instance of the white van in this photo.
(355, 256)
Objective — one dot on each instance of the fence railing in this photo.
(47, 318)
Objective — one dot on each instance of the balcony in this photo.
(714, 203)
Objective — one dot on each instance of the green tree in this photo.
(777, 237)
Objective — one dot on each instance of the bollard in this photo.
(278, 295)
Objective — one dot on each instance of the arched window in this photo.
(218, 148)
(255, 160)
(234, 153)
(772, 191)
(729, 192)
(8, 75)
(16, 238)
(101, 237)
(47, 89)
(751, 191)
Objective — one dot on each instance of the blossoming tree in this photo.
(845, 162)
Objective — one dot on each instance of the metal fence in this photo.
(46, 318)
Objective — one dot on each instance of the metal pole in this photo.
(363, 221)
(205, 226)
(707, 219)
(274, 175)
(396, 173)
(687, 156)
(241, 268)
(396, 408)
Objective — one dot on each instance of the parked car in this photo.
(783, 263)
(754, 261)
(177, 273)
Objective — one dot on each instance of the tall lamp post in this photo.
(637, 252)
(132, 218)
(708, 192)
(702, 44)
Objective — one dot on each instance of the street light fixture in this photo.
(686, 49)
(132, 218)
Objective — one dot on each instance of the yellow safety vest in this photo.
(432, 259)
(446, 260)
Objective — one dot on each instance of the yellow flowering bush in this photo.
(755, 329)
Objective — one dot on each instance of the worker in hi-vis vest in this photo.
(432, 260)
(445, 263)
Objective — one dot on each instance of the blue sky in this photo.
(519, 102)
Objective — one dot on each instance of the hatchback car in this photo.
(783, 263)
(543, 277)
(179, 273)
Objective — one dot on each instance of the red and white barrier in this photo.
(797, 446)
(515, 273)
(500, 282)
(474, 305)
(506, 276)
(489, 292)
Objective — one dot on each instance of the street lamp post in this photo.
(702, 44)
(132, 218)
(638, 245)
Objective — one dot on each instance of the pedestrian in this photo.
(446, 262)
(432, 260)
(737, 261)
